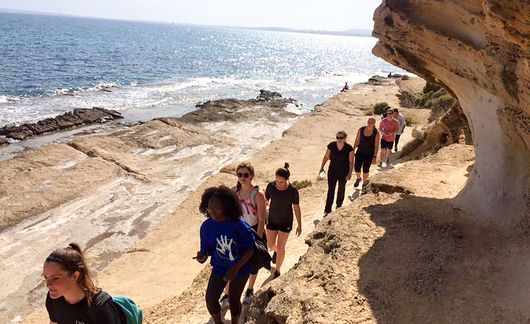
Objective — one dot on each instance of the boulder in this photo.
(479, 51)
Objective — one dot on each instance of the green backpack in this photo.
(126, 308)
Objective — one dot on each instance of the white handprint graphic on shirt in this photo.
(225, 245)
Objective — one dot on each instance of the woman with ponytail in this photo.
(283, 199)
(72, 292)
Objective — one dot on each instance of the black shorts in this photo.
(363, 160)
(286, 228)
(386, 145)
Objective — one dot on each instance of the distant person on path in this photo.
(254, 212)
(72, 292)
(340, 168)
(229, 242)
(388, 127)
(345, 88)
(366, 143)
(402, 124)
(283, 199)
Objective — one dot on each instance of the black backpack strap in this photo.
(99, 300)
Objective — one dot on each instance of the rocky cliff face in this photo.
(481, 51)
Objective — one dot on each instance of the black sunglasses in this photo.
(340, 137)
(243, 175)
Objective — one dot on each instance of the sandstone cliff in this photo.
(479, 50)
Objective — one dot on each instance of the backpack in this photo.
(261, 257)
(126, 308)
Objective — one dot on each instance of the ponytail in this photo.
(283, 172)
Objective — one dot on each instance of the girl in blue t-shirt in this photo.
(229, 241)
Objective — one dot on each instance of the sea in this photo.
(53, 64)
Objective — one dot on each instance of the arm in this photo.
(202, 254)
(351, 158)
(376, 149)
(357, 140)
(260, 202)
(298, 214)
(231, 273)
(325, 159)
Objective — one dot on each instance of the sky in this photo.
(332, 15)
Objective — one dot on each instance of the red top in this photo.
(389, 129)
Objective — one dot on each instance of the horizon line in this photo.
(345, 32)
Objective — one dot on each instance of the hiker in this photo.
(366, 143)
(283, 199)
(388, 128)
(345, 88)
(340, 168)
(229, 241)
(402, 124)
(254, 214)
(71, 290)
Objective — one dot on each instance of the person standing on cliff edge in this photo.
(340, 168)
(388, 127)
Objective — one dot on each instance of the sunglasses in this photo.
(243, 175)
(340, 137)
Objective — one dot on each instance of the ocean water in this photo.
(53, 64)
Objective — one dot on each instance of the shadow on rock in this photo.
(432, 267)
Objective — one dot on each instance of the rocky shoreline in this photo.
(77, 118)
(117, 185)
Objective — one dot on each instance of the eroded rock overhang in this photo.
(480, 50)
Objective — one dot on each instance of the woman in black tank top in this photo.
(366, 144)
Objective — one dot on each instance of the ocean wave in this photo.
(7, 99)
(104, 86)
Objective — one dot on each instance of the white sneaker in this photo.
(248, 296)
(224, 301)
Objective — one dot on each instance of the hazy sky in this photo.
(308, 14)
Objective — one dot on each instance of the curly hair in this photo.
(228, 199)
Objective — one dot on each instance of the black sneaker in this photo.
(274, 258)
(357, 181)
(276, 274)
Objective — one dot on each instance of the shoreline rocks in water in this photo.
(238, 110)
(79, 117)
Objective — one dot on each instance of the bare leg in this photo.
(365, 176)
(251, 281)
(280, 249)
(271, 239)
(358, 174)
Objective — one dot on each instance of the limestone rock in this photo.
(79, 117)
(478, 50)
(268, 104)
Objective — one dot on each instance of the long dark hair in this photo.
(227, 197)
(283, 172)
(71, 259)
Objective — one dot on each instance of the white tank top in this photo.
(249, 214)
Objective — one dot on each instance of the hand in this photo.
(348, 177)
(374, 160)
(201, 258)
(298, 230)
(230, 274)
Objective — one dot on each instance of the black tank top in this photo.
(367, 143)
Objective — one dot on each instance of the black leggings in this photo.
(333, 178)
(363, 160)
(216, 284)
